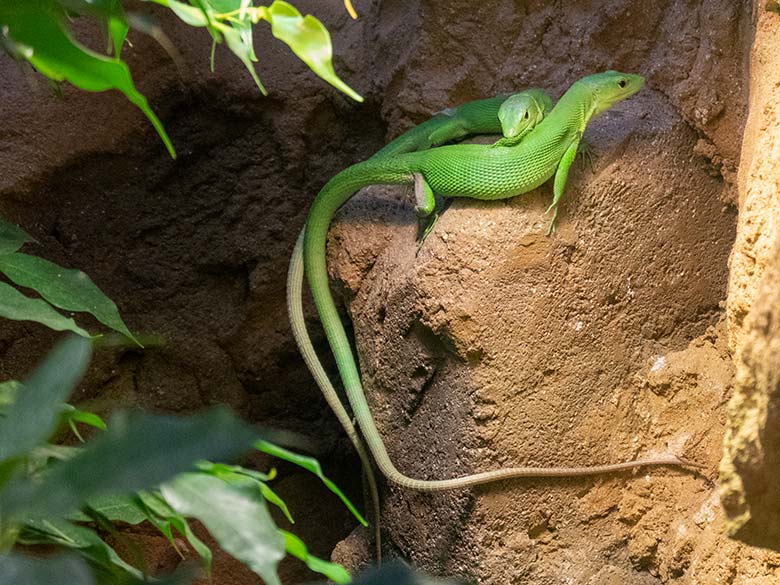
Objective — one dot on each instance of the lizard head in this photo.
(610, 87)
(521, 112)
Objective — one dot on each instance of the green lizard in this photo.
(514, 117)
(477, 117)
(481, 172)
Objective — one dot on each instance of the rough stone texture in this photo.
(495, 344)
(759, 178)
(749, 469)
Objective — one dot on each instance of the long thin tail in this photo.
(301, 335)
(333, 195)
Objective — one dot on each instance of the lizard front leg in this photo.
(560, 179)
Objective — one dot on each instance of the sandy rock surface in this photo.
(748, 472)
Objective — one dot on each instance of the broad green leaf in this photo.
(66, 569)
(115, 508)
(295, 547)
(235, 515)
(33, 417)
(38, 26)
(81, 538)
(309, 464)
(138, 451)
(14, 305)
(71, 290)
(12, 237)
(309, 40)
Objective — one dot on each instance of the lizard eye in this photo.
(526, 115)
(622, 83)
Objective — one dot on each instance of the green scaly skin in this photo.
(520, 113)
(477, 117)
(471, 118)
(481, 172)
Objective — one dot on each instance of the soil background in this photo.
(494, 345)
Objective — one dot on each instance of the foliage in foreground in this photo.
(37, 31)
(142, 468)
(58, 287)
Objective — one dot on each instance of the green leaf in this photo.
(309, 40)
(64, 569)
(271, 496)
(244, 51)
(312, 465)
(235, 515)
(188, 14)
(33, 417)
(115, 508)
(295, 547)
(72, 414)
(238, 34)
(85, 540)
(109, 12)
(232, 472)
(164, 518)
(138, 451)
(9, 390)
(12, 237)
(38, 27)
(71, 290)
(14, 305)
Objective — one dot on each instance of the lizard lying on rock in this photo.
(466, 170)
(514, 117)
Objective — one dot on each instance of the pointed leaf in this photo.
(309, 40)
(138, 451)
(72, 414)
(85, 540)
(236, 517)
(65, 569)
(71, 290)
(164, 518)
(47, 45)
(295, 547)
(14, 305)
(272, 497)
(312, 465)
(12, 237)
(109, 12)
(33, 417)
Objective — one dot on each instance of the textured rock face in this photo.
(494, 345)
(749, 469)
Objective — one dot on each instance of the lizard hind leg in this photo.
(424, 208)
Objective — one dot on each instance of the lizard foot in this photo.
(588, 156)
